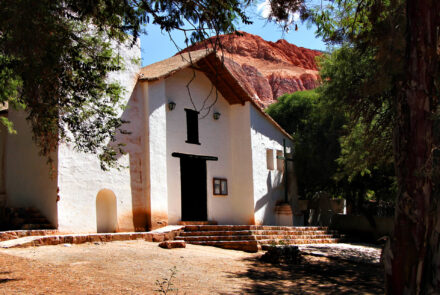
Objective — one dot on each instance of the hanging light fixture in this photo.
(171, 105)
(216, 115)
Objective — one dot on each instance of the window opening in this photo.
(269, 159)
(192, 126)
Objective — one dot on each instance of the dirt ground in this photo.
(132, 267)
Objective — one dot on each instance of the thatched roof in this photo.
(204, 60)
(168, 67)
(215, 69)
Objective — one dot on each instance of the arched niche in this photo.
(106, 211)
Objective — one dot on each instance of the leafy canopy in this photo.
(316, 132)
(56, 56)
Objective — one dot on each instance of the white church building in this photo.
(199, 149)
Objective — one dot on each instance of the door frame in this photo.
(198, 157)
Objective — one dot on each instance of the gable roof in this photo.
(215, 68)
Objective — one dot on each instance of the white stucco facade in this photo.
(29, 180)
(81, 179)
(227, 138)
(268, 183)
(148, 193)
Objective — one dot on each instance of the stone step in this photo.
(189, 228)
(217, 233)
(217, 238)
(197, 222)
(295, 237)
(298, 241)
(165, 234)
(248, 246)
(254, 237)
(256, 232)
(11, 235)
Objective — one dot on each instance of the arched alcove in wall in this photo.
(106, 212)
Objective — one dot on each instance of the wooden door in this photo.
(193, 185)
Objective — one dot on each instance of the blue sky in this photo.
(157, 46)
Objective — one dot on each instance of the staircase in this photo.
(252, 238)
(25, 219)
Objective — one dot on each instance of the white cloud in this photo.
(264, 10)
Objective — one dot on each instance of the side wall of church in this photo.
(28, 177)
(156, 153)
(227, 138)
(81, 179)
(267, 142)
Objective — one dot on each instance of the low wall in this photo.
(358, 226)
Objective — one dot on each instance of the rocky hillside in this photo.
(267, 69)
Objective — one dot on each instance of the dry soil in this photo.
(133, 267)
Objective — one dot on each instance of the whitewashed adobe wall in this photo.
(80, 177)
(155, 176)
(241, 157)
(28, 177)
(268, 184)
(227, 138)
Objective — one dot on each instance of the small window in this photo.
(269, 159)
(220, 186)
(192, 126)
(280, 161)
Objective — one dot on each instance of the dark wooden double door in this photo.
(194, 189)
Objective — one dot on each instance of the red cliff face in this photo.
(267, 69)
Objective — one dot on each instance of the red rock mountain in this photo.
(267, 69)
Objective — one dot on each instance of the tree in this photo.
(316, 132)
(55, 57)
(353, 86)
(404, 36)
(329, 153)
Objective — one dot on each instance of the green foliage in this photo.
(351, 85)
(8, 124)
(316, 132)
(292, 110)
(330, 153)
(55, 58)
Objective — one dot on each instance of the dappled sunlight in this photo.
(316, 275)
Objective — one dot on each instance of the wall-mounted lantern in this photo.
(171, 105)
(216, 115)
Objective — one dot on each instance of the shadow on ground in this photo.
(5, 280)
(317, 275)
(353, 253)
(2, 281)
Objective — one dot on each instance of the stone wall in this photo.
(359, 226)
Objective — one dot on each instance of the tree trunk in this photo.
(412, 258)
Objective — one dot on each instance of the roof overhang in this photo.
(203, 60)
(214, 66)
